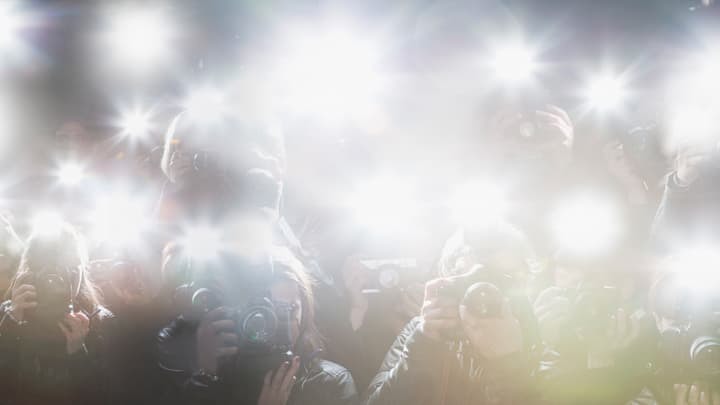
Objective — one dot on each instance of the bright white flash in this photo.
(139, 38)
(606, 93)
(205, 104)
(514, 62)
(120, 219)
(70, 173)
(330, 75)
(202, 242)
(699, 265)
(384, 204)
(11, 22)
(586, 225)
(47, 223)
(135, 124)
(478, 203)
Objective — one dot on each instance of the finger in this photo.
(441, 324)
(290, 375)
(224, 325)
(229, 338)
(226, 351)
(267, 379)
(26, 305)
(681, 394)
(215, 314)
(559, 112)
(694, 394)
(23, 288)
(65, 330)
(441, 313)
(433, 287)
(279, 376)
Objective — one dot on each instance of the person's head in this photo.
(500, 246)
(57, 263)
(292, 285)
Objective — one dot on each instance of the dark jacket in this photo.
(319, 382)
(36, 369)
(418, 370)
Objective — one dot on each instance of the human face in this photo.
(288, 292)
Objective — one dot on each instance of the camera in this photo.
(54, 295)
(594, 308)
(480, 291)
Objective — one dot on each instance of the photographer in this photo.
(11, 247)
(52, 327)
(228, 359)
(598, 337)
(475, 339)
(686, 369)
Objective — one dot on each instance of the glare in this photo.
(606, 93)
(47, 223)
(120, 219)
(586, 225)
(699, 265)
(514, 62)
(139, 38)
(11, 22)
(135, 124)
(202, 242)
(70, 174)
(330, 75)
(480, 202)
(383, 205)
(205, 105)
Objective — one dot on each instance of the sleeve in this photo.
(686, 208)
(343, 391)
(181, 385)
(411, 363)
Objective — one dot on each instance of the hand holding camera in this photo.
(216, 339)
(439, 313)
(24, 296)
(696, 394)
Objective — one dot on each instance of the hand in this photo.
(216, 338)
(23, 297)
(278, 384)
(493, 337)
(623, 331)
(557, 119)
(180, 164)
(696, 394)
(619, 166)
(552, 310)
(75, 327)
(690, 162)
(355, 277)
(439, 314)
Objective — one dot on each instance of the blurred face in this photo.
(288, 292)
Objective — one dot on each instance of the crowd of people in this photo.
(228, 289)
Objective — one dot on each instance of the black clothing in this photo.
(36, 369)
(418, 370)
(318, 382)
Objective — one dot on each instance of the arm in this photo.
(410, 363)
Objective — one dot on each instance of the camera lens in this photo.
(205, 300)
(258, 324)
(484, 300)
(705, 355)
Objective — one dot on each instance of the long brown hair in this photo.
(64, 248)
(287, 267)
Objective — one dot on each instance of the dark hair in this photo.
(66, 248)
(287, 267)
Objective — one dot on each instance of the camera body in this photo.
(263, 326)
(54, 295)
(593, 308)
